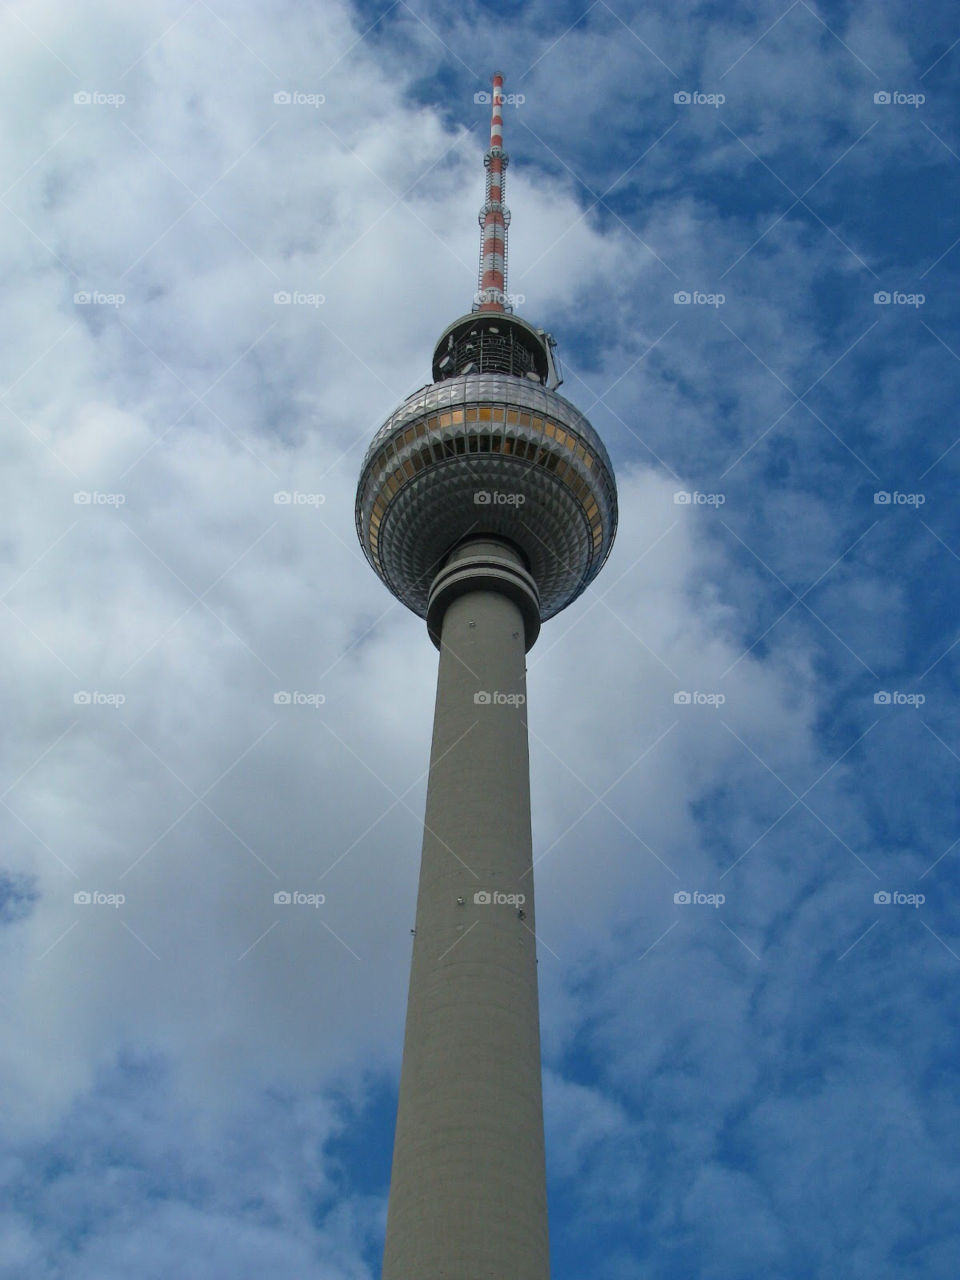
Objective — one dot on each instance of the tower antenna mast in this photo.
(494, 216)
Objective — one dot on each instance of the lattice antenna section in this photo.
(494, 216)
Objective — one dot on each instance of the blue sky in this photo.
(198, 1082)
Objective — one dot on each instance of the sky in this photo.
(739, 223)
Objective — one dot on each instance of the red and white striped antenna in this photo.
(494, 216)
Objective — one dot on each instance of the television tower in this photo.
(486, 504)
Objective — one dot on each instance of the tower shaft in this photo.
(468, 1188)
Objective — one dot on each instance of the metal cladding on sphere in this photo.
(487, 453)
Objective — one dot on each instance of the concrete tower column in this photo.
(468, 1188)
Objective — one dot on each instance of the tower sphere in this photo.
(488, 448)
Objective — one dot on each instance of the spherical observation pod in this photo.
(487, 454)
